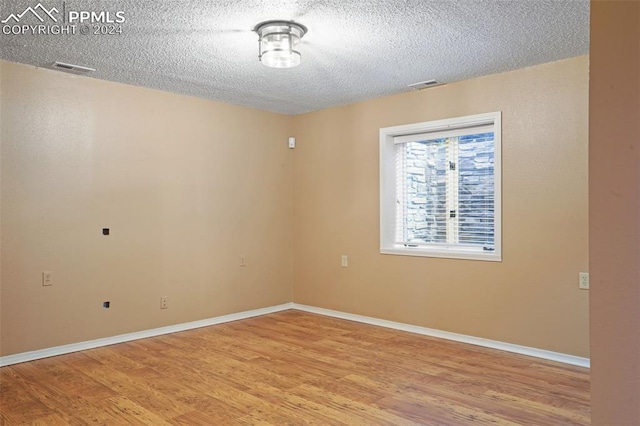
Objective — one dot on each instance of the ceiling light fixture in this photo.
(278, 42)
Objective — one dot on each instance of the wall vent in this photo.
(72, 69)
(424, 84)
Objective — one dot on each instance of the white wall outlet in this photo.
(243, 260)
(583, 282)
(47, 278)
(164, 302)
(344, 261)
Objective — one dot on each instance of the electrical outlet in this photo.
(243, 260)
(164, 302)
(47, 278)
(583, 282)
(344, 261)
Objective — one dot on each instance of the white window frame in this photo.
(388, 199)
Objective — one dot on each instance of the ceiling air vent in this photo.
(72, 69)
(424, 84)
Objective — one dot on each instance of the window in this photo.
(440, 188)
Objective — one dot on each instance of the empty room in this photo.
(320, 212)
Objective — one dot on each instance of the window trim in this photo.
(388, 187)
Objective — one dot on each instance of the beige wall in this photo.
(1, 133)
(532, 297)
(186, 186)
(614, 223)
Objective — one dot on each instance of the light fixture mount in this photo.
(278, 42)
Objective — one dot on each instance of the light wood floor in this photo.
(294, 368)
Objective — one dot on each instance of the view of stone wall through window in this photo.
(428, 168)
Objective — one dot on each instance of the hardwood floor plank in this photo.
(199, 417)
(365, 414)
(17, 402)
(307, 412)
(560, 414)
(57, 400)
(293, 368)
(124, 408)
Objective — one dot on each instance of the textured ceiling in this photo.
(354, 50)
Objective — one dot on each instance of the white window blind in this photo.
(445, 188)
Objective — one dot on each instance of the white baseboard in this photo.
(478, 341)
(91, 344)
(81, 346)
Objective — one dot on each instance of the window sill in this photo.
(445, 254)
